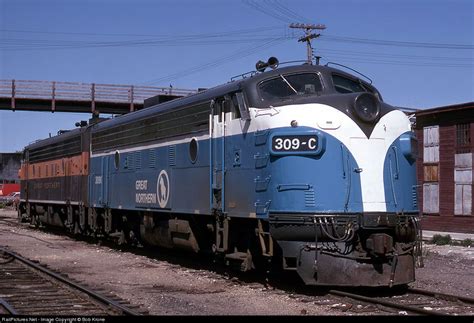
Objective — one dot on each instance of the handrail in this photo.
(83, 92)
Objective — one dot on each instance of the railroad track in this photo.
(412, 301)
(416, 301)
(26, 288)
(401, 301)
(6, 308)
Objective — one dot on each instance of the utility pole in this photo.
(308, 36)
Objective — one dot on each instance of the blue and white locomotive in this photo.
(300, 166)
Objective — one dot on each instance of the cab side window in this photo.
(346, 85)
(227, 104)
(235, 107)
(232, 104)
(217, 108)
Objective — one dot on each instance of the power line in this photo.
(398, 63)
(227, 37)
(241, 53)
(216, 62)
(19, 45)
(241, 31)
(197, 39)
(267, 10)
(378, 54)
(291, 14)
(395, 43)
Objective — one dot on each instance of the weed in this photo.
(466, 242)
(440, 240)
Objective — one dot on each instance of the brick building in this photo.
(444, 167)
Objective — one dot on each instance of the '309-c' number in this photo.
(295, 143)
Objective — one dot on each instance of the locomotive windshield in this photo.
(288, 86)
(346, 85)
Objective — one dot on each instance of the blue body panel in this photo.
(313, 183)
(135, 185)
(400, 176)
(257, 181)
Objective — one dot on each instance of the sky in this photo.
(418, 53)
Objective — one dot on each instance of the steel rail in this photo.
(8, 307)
(89, 292)
(386, 303)
(434, 294)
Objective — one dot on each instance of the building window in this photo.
(463, 183)
(463, 138)
(431, 170)
(430, 173)
(431, 198)
(431, 144)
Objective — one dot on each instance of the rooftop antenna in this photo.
(307, 38)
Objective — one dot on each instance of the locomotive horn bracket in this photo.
(272, 63)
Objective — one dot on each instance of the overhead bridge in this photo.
(19, 95)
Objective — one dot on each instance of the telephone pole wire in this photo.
(308, 37)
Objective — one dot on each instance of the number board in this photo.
(295, 143)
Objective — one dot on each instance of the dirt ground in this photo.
(167, 287)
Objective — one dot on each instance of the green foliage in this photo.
(466, 242)
(440, 240)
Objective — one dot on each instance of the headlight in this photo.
(367, 107)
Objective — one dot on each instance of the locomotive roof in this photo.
(55, 139)
(249, 84)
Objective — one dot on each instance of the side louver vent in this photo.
(138, 160)
(172, 155)
(152, 158)
(414, 196)
(309, 198)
